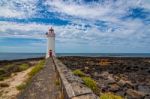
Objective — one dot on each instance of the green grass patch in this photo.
(23, 67)
(2, 71)
(21, 86)
(37, 68)
(3, 78)
(9, 66)
(89, 82)
(110, 96)
(34, 71)
(57, 82)
(79, 73)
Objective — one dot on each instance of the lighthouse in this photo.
(50, 43)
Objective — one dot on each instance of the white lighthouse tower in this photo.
(50, 43)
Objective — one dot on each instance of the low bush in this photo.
(110, 96)
(37, 68)
(23, 67)
(89, 82)
(2, 71)
(57, 82)
(78, 73)
(21, 86)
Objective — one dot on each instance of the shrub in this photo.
(21, 86)
(57, 82)
(78, 73)
(23, 67)
(89, 82)
(37, 68)
(2, 71)
(110, 96)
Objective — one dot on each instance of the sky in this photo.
(81, 26)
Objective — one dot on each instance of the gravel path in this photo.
(43, 84)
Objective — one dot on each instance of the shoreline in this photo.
(107, 57)
(25, 59)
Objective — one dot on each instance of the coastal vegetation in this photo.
(37, 68)
(78, 73)
(7, 70)
(110, 96)
(21, 86)
(34, 71)
(15, 75)
(89, 82)
(23, 66)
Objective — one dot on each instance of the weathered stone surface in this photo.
(105, 75)
(88, 96)
(121, 93)
(133, 94)
(145, 89)
(42, 85)
(76, 89)
(114, 87)
(110, 80)
(127, 73)
(121, 83)
(80, 89)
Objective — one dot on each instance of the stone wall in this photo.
(72, 87)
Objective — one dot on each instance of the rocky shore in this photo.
(127, 77)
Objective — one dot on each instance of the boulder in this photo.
(120, 93)
(121, 83)
(143, 88)
(114, 87)
(110, 80)
(133, 94)
(105, 74)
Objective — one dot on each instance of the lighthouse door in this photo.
(50, 53)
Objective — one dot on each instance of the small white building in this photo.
(50, 43)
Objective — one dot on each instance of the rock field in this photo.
(127, 77)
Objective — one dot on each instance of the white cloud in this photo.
(17, 8)
(107, 11)
(81, 15)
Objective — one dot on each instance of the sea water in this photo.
(12, 56)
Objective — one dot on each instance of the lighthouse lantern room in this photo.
(50, 43)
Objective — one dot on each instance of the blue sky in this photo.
(81, 26)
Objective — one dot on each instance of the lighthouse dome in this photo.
(50, 33)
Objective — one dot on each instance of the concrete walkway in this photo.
(43, 84)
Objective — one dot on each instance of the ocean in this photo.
(13, 56)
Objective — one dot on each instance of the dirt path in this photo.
(17, 79)
(43, 84)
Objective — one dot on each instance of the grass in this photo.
(7, 70)
(110, 96)
(79, 73)
(23, 67)
(37, 68)
(21, 86)
(34, 71)
(57, 82)
(89, 82)
(2, 71)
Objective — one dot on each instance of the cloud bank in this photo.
(95, 23)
